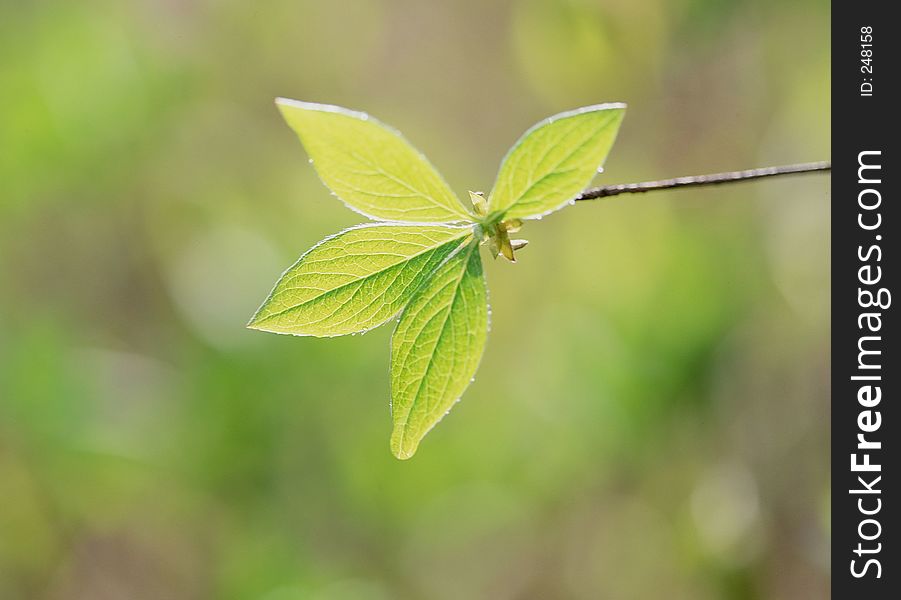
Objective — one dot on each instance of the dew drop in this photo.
(600, 169)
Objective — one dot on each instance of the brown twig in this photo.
(698, 180)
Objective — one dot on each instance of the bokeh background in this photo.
(651, 416)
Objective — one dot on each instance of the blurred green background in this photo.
(651, 416)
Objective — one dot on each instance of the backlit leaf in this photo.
(425, 263)
(554, 161)
(370, 166)
(436, 348)
(357, 279)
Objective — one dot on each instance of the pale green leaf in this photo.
(436, 348)
(554, 161)
(370, 166)
(357, 279)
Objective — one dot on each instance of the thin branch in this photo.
(698, 180)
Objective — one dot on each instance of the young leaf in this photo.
(370, 166)
(361, 277)
(357, 279)
(554, 161)
(436, 348)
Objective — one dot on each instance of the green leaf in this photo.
(363, 276)
(357, 279)
(554, 161)
(370, 166)
(436, 348)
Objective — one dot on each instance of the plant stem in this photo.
(698, 180)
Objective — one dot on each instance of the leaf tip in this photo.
(620, 106)
(283, 103)
(255, 322)
(401, 450)
(404, 442)
(402, 454)
(286, 106)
